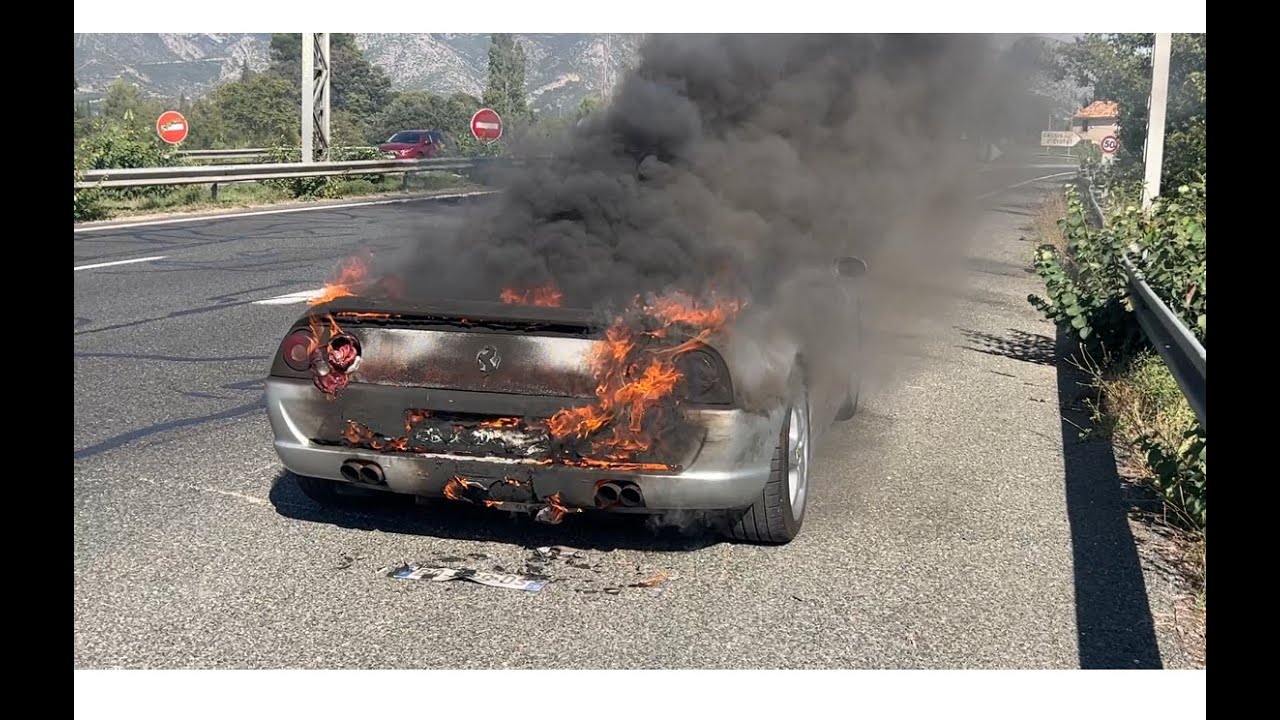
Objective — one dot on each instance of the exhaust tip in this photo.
(350, 472)
(631, 496)
(607, 494)
(371, 474)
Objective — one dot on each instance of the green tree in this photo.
(505, 91)
(1118, 67)
(589, 104)
(420, 109)
(124, 100)
(258, 112)
(357, 86)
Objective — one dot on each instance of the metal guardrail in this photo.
(1182, 353)
(247, 153)
(215, 174)
(241, 154)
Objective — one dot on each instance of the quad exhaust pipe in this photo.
(607, 494)
(363, 472)
(625, 494)
(630, 496)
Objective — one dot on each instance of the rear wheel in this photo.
(777, 516)
(323, 492)
(850, 407)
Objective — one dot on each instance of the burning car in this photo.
(521, 404)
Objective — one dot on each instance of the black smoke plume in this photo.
(743, 164)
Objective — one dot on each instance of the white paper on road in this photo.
(444, 574)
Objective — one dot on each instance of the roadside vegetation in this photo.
(261, 110)
(1135, 400)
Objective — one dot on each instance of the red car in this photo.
(414, 144)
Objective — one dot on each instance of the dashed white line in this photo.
(119, 262)
(291, 298)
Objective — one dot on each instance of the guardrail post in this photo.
(213, 192)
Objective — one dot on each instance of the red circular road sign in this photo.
(486, 125)
(171, 127)
(1110, 144)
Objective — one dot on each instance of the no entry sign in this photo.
(486, 125)
(1110, 144)
(171, 127)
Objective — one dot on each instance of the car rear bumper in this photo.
(728, 471)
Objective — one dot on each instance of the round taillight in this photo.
(297, 350)
(703, 381)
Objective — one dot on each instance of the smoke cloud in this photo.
(744, 165)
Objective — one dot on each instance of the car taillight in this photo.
(296, 350)
(705, 379)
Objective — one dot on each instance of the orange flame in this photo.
(556, 510)
(455, 488)
(351, 275)
(636, 377)
(546, 296)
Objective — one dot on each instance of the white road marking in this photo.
(277, 211)
(291, 298)
(993, 193)
(120, 262)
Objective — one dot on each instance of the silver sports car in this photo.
(523, 406)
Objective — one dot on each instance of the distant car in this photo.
(466, 401)
(414, 144)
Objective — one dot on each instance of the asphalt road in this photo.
(948, 527)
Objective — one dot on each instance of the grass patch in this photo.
(1141, 398)
(1045, 223)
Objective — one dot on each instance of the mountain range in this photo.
(561, 68)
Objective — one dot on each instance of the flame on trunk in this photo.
(352, 274)
(637, 378)
(544, 296)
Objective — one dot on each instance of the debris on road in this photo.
(560, 564)
(652, 581)
(554, 551)
(554, 511)
(413, 571)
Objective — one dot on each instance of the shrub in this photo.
(1087, 288)
(112, 145)
(319, 187)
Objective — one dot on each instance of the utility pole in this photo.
(1154, 153)
(315, 95)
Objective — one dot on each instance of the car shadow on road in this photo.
(1113, 613)
(391, 513)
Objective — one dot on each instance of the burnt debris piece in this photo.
(415, 571)
(452, 433)
(427, 432)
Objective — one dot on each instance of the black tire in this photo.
(850, 407)
(771, 520)
(323, 492)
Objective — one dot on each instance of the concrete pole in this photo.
(308, 95)
(1156, 118)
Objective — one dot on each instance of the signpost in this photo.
(171, 126)
(1059, 138)
(1110, 144)
(486, 125)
